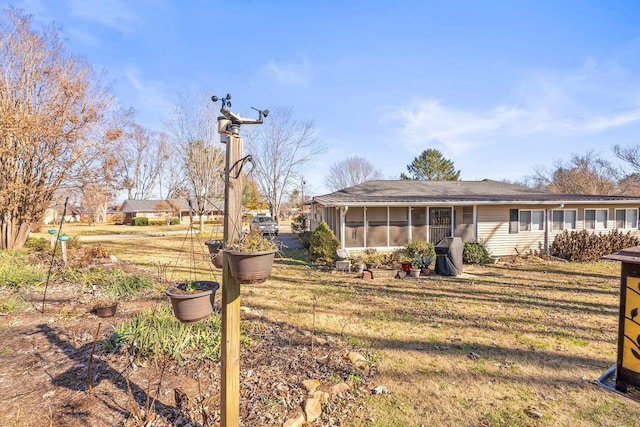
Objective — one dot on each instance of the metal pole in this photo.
(230, 396)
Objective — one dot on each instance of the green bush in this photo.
(38, 244)
(372, 256)
(582, 246)
(140, 221)
(475, 253)
(419, 248)
(174, 221)
(305, 238)
(323, 244)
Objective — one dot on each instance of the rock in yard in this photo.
(357, 359)
(321, 396)
(296, 421)
(312, 409)
(534, 413)
(380, 390)
(310, 385)
(339, 388)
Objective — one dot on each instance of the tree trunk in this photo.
(13, 235)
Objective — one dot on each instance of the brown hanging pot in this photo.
(250, 267)
(215, 251)
(192, 301)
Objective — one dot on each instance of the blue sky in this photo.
(499, 87)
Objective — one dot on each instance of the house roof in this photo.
(485, 192)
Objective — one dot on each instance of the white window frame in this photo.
(564, 222)
(626, 216)
(531, 211)
(595, 219)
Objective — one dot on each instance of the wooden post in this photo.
(230, 396)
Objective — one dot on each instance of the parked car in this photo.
(265, 224)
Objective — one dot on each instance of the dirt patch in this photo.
(45, 360)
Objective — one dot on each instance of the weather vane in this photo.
(230, 118)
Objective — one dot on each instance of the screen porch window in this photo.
(596, 219)
(531, 220)
(564, 220)
(627, 218)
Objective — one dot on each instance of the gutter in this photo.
(474, 202)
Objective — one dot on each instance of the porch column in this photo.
(343, 215)
(475, 222)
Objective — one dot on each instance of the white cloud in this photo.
(290, 74)
(592, 99)
(116, 14)
(148, 97)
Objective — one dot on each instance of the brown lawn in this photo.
(520, 343)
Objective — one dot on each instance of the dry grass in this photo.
(518, 344)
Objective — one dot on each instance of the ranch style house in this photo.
(508, 218)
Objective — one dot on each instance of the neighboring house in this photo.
(163, 209)
(507, 218)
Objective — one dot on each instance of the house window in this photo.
(626, 218)
(564, 220)
(596, 219)
(531, 220)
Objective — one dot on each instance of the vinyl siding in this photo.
(493, 229)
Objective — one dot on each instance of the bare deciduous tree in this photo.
(192, 127)
(587, 174)
(143, 154)
(279, 149)
(630, 155)
(352, 171)
(53, 113)
(95, 200)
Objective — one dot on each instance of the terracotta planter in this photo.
(426, 271)
(250, 267)
(414, 272)
(106, 310)
(215, 249)
(191, 306)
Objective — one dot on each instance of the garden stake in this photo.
(313, 325)
(93, 350)
(53, 253)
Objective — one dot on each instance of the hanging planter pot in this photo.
(215, 247)
(250, 267)
(192, 301)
